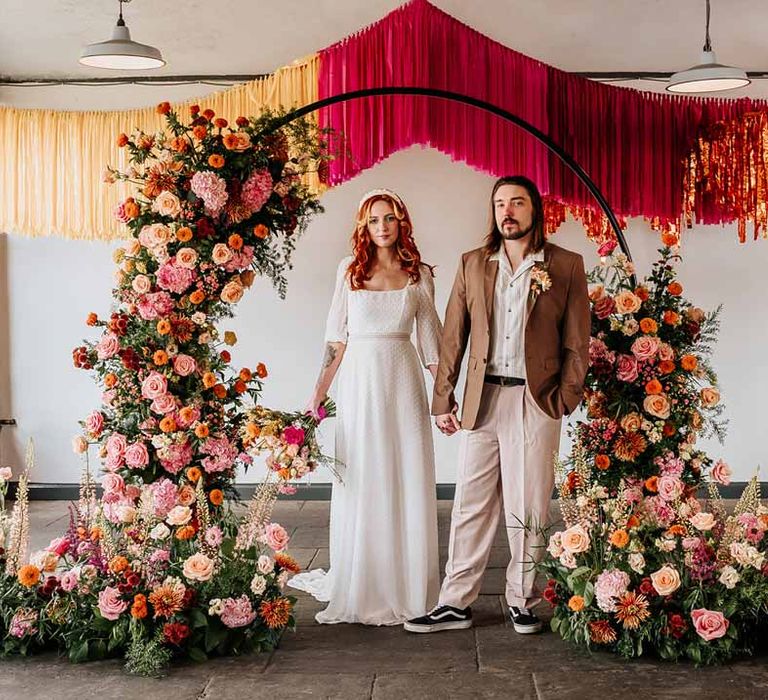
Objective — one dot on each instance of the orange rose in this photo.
(652, 484)
(28, 575)
(197, 297)
(653, 387)
(576, 603)
(657, 405)
(233, 291)
(131, 210)
(710, 397)
(689, 362)
(235, 241)
(642, 293)
(216, 161)
(240, 386)
(666, 366)
(260, 231)
(194, 474)
(199, 132)
(216, 497)
(627, 303)
(110, 380)
(220, 391)
(168, 425)
(230, 142)
(184, 234)
(619, 539)
(163, 327)
(261, 370)
(201, 431)
(648, 325)
(186, 495)
(118, 564)
(671, 318)
(160, 357)
(675, 289)
(122, 140)
(602, 462)
(252, 430)
(186, 532)
(632, 422)
(246, 374)
(209, 379)
(669, 239)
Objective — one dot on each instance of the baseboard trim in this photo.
(304, 492)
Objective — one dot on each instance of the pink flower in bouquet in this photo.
(721, 473)
(321, 413)
(154, 305)
(214, 536)
(164, 404)
(222, 454)
(211, 189)
(670, 465)
(670, 487)
(607, 248)
(604, 307)
(661, 511)
(136, 455)
(108, 397)
(23, 623)
(293, 435)
(94, 423)
(237, 612)
(113, 483)
(709, 624)
(164, 496)
(116, 444)
(645, 347)
(187, 417)
(626, 368)
(175, 457)
(666, 352)
(610, 584)
(198, 567)
(69, 580)
(240, 260)
(257, 190)
(276, 537)
(184, 365)
(173, 277)
(287, 489)
(703, 521)
(59, 546)
(111, 605)
(187, 258)
(155, 236)
(108, 346)
(120, 213)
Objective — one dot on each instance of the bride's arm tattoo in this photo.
(330, 355)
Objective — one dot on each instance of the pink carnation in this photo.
(211, 189)
(237, 612)
(257, 190)
(173, 277)
(154, 305)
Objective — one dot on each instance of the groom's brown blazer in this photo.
(556, 335)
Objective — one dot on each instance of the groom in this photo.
(522, 303)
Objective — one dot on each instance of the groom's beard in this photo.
(514, 235)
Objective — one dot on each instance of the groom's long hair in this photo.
(538, 239)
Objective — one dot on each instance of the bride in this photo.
(383, 531)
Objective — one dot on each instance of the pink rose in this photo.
(645, 347)
(113, 483)
(626, 368)
(111, 606)
(116, 444)
(69, 579)
(709, 624)
(136, 456)
(721, 473)
(141, 284)
(164, 404)
(604, 307)
(113, 462)
(155, 235)
(276, 537)
(184, 365)
(108, 346)
(153, 386)
(606, 249)
(670, 487)
(186, 257)
(59, 546)
(94, 423)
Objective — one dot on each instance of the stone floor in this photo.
(353, 661)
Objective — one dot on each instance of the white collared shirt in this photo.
(506, 355)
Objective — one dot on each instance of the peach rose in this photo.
(666, 580)
(666, 352)
(79, 445)
(721, 473)
(141, 284)
(184, 365)
(695, 314)
(703, 521)
(710, 397)
(232, 293)
(198, 568)
(276, 537)
(627, 303)
(133, 248)
(709, 624)
(645, 347)
(179, 515)
(221, 254)
(657, 405)
(163, 404)
(187, 258)
(155, 235)
(575, 540)
(187, 495)
(632, 422)
(167, 204)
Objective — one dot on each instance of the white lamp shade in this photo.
(708, 76)
(121, 53)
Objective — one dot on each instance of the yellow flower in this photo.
(230, 338)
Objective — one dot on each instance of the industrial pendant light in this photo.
(709, 75)
(120, 52)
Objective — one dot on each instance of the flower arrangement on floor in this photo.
(643, 565)
(161, 567)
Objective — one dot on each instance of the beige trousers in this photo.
(506, 462)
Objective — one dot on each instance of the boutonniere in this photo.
(540, 279)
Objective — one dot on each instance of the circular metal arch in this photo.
(539, 135)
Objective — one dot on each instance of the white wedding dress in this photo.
(383, 531)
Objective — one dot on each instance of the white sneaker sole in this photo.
(438, 626)
(527, 629)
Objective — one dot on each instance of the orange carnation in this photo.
(235, 241)
(163, 108)
(209, 380)
(186, 414)
(194, 474)
(619, 539)
(669, 239)
(139, 607)
(179, 144)
(164, 327)
(675, 289)
(230, 142)
(689, 362)
(671, 318)
(220, 391)
(118, 564)
(260, 231)
(252, 430)
(666, 366)
(92, 319)
(184, 234)
(160, 357)
(131, 209)
(197, 297)
(28, 575)
(602, 462)
(186, 532)
(652, 484)
(653, 387)
(642, 293)
(576, 603)
(633, 521)
(215, 160)
(202, 431)
(168, 425)
(122, 140)
(246, 374)
(261, 370)
(200, 132)
(110, 380)
(678, 530)
(216, 496)
(240, 387)
(648, 325)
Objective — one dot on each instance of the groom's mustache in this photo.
(510, 220)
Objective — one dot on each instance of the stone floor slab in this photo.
(453, 686)
(271, 685)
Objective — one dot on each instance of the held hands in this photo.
(314, 403)
(448, 423)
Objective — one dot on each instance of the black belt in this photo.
(504, 381)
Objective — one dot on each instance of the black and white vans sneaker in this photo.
(524, 620)
(443, 617)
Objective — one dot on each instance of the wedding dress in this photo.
(383, 529)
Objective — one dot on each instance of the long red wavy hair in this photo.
(364, 249)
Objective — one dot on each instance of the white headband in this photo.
(378, 193)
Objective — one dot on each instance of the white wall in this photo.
(53, 283)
